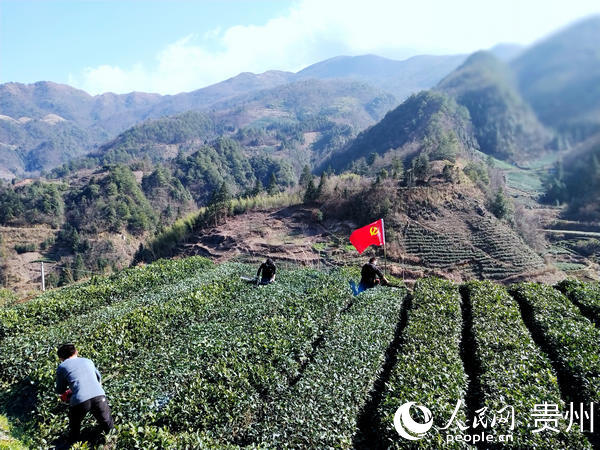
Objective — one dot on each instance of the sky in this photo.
(171, 46)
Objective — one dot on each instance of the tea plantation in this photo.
(193, 357)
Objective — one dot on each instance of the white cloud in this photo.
(315, 29)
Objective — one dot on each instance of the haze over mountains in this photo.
(560, 78)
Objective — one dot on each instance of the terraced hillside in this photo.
(449, 230)
(194, 357)
(492, 252)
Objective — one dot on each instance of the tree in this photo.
(78, 267)
(218, 207)
(220, 195)
(371, 158)
(310, 195)
(500, 205)
(381, 175)
(449, 173)
(397, 169)
(321, 186)
(272, 187)
(421, 167)
(305, 177)
(257, 189)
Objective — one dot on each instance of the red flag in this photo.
(372, 234)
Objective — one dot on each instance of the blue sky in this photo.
(174, 46)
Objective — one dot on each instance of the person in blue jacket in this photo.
(78, 382)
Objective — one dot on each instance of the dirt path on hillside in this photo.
(290, 234)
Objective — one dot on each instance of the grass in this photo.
(567, 267)
(544, 161)
(524, 180)
(320, 246)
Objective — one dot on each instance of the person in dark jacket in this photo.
(268, 270)
(370, 276)
(78, 382)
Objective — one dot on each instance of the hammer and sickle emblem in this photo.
(374, 231)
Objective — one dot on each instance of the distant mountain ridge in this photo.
(93, 120)
(299, 121)
(400, 78)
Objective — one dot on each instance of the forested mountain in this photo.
(504, 124)
(346, 102)
(87, 121)
(429, 122)
(301, 122)
(45, 124)
(33, 144)
(560, 78)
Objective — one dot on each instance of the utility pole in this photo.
(43, 277)
(43, 272)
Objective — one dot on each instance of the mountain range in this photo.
(520, 101)
(45, 124)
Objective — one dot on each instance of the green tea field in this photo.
(193, 357)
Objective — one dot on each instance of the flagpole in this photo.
(384, 252)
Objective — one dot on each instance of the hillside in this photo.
(576, 181)
(477, 247)
(559, 76)
(345, 102)
(428, 122)
(442, 227)
(33, 144)
(504, 124)
(193, 357)
(301, 122)
(114, 113)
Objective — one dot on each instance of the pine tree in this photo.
(381, 175)
(220, 195)
(500, 205)
(421, 167)
(272, 188)
(258, 188)
(78, 267)
(310, 194)
(305, 177)
(371, 158)
(397, 169)
(218, 207)
(321, 186)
